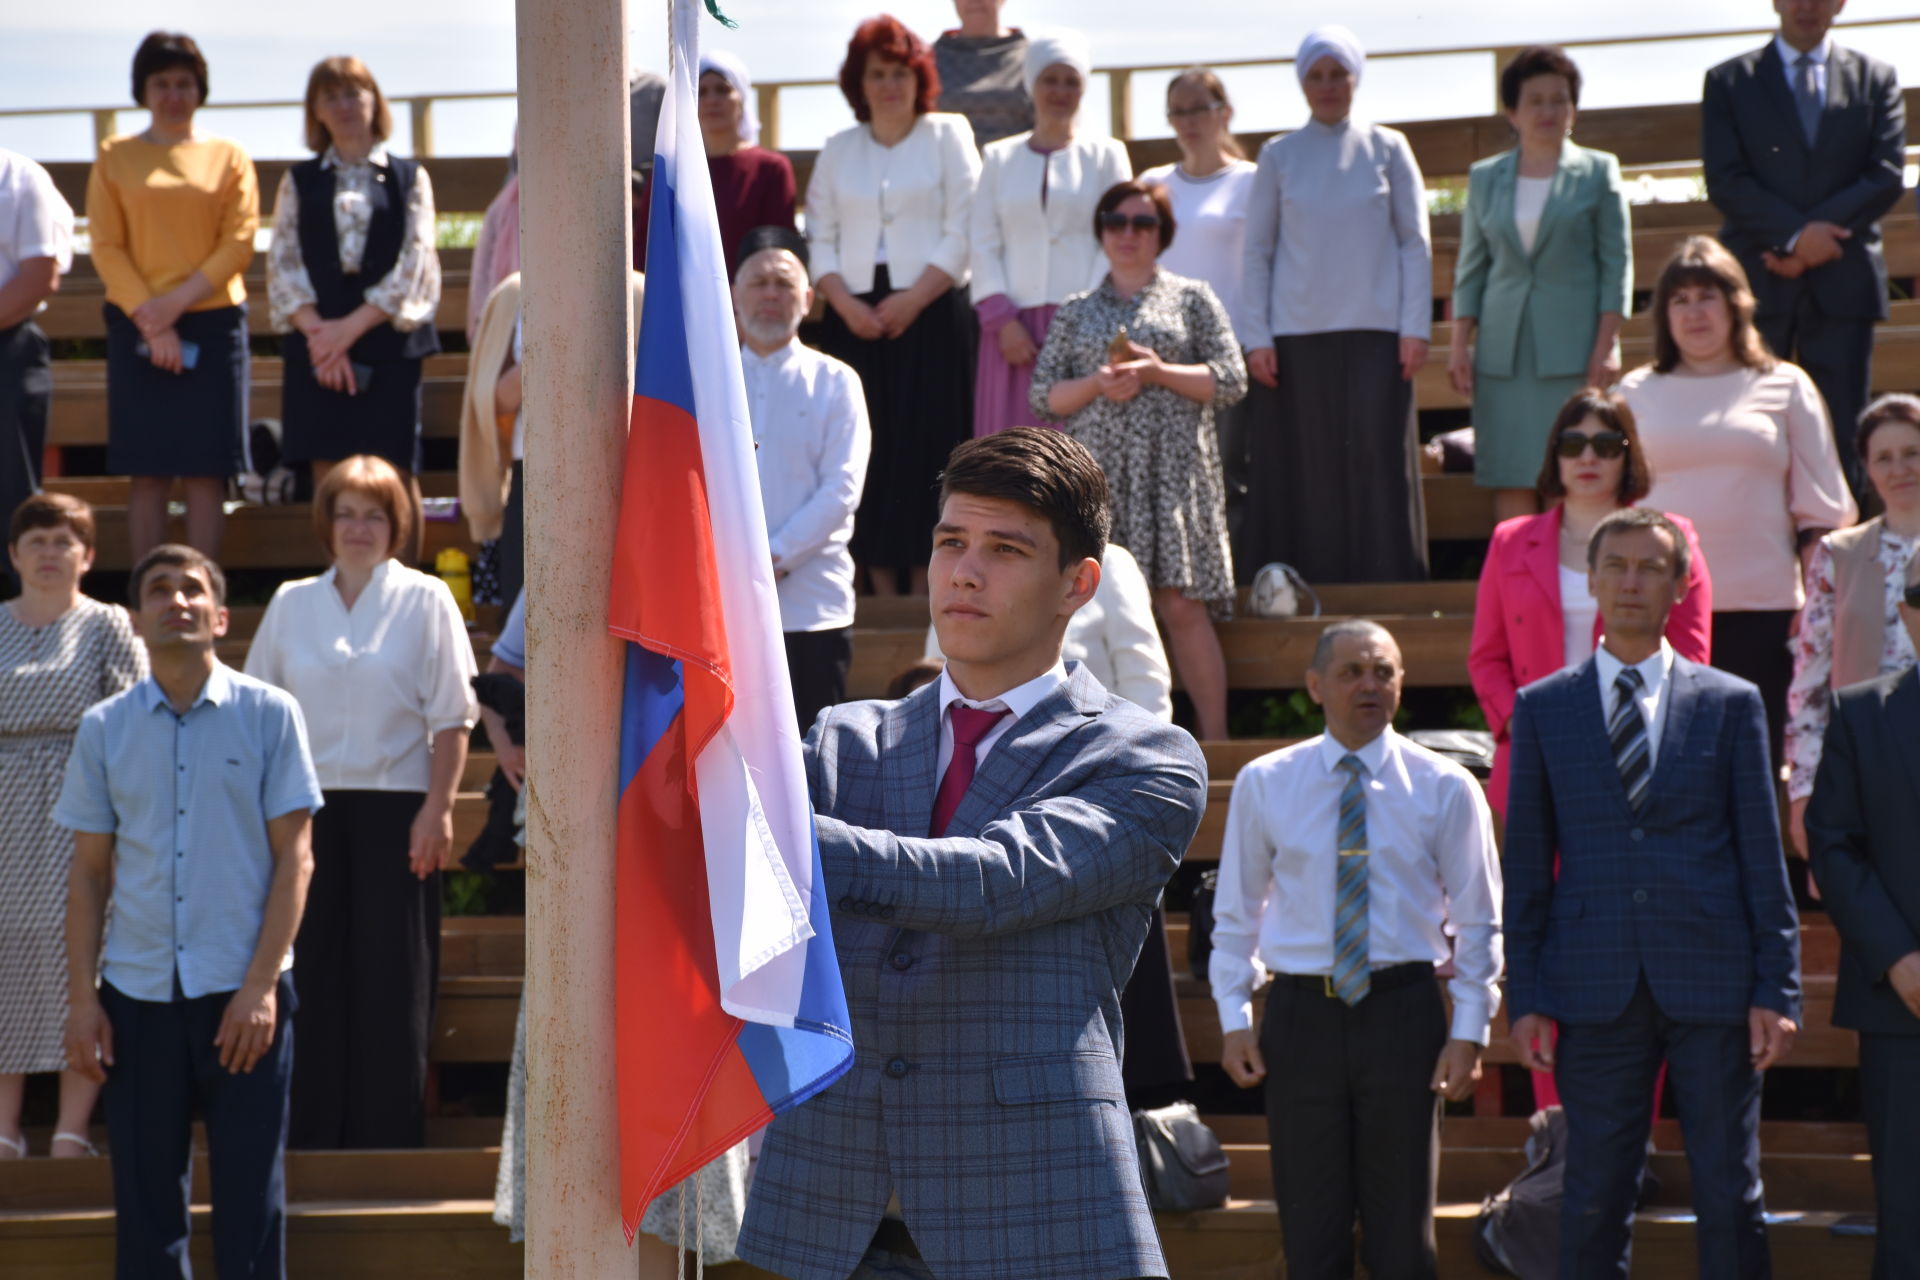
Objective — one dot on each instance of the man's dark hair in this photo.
(182, 557)
(1333, 633)
(163, 51)
(1641, 518)
(1046, 470)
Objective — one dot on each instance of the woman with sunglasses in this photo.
(1534, 613)
(1850, 630)
(1135, 370)
(1740, 442)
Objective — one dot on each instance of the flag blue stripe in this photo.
(651, 699)
(663, 369)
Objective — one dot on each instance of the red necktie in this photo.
(969, 726)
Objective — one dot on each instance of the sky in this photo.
(56, 56)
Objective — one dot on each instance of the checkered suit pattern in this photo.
(983, 971)
(1691, 891)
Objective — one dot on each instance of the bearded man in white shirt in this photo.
(1349, 859)
(811, 442)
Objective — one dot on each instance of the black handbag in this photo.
(1181, 1161)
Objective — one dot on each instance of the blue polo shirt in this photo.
(187, 799)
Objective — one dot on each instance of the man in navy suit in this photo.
(1804, 145)
(995, 844)
(1669, 932)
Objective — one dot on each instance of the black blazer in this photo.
(1768, 183)
(1863, 832)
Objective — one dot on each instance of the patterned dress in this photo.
(48, 676)
(1159, 449)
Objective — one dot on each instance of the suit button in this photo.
(1636, 835)
(1639, 895)
(898, 1068)
(902, 960)
(846, 904)
(886, 913)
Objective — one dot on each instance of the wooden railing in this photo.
(1120, 80)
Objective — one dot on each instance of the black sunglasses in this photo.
(1606, 444)
(1913, 595)
(1120, 222)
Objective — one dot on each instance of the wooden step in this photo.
(465, 1173)
(260, 537)
(1337, 600)
(112, 491)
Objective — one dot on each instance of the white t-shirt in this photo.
(1578, 609)
(35, 219)
(1210, 225)
(1529, 203)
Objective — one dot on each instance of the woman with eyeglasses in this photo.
(1135, 369)
(1335, 312)
(1533, 613)
(1030, 250)
(1740, 442)
(1851, 630)
(1209, 187)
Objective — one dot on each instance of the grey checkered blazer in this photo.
(983, 972)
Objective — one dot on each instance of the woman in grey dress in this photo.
(59, 654)
(1135, 370)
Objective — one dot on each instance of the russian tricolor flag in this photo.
(730, 1007)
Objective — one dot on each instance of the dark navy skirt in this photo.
(382, 419)
(191, 423)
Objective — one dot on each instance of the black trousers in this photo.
(1752, 644)
(817, 663)
(26, 392)
(1889, 1065)
(513, 536)
(366, 960)
(1837, 353)
(1605, 1075)
(1354, 1125)
(165, 1064)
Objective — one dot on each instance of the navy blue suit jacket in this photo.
(1692, 893)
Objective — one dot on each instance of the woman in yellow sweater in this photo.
(173, 214)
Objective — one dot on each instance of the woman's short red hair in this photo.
(888, 37)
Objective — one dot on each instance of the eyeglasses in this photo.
(1139, 222)
(1606, 444)
(1176, 114)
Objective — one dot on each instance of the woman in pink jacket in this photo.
(1534, 613)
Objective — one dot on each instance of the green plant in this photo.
(456, 230)
(465, 893)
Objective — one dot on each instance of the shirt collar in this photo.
(785, 355)
(1654, 670)
(218, 689)
(1820, 53)
(1019, 700)
(377, 157)
(1373, 755)
(378, 578)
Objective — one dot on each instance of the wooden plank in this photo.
(75, 311)
(260, 538)
(473, 1019)
(461, 184)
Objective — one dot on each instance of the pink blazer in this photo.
(1519, 632)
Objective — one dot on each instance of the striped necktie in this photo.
(1627, 731)
(1351, 978)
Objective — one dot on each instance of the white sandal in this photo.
(16, 1145)
(87, 1147)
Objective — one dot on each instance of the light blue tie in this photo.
(1351, 979)
(1806, 96)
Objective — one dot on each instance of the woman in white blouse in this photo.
(379, 660)
(353, 281)
(1209, 187)
(887, 228)
(1030, 214)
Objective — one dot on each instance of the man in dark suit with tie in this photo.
(1804, 146)
(995, 843)
(1669, 932)
(1863, 836)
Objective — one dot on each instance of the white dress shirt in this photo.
(1653, 690)
(1017, 701)
(35, 219)
(914, 197)
(811, 442)
(1820, 54)
(1115, 636)
(374, 683)
(1431, 871)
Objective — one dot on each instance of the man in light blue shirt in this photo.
(190, 796)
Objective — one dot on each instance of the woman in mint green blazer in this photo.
(1543, 281)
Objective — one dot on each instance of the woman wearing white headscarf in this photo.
(752, 187)
(1335, 311)
(1031, 211)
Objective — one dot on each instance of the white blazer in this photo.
(919, 191)
(1039, 255)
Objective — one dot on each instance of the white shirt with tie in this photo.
(1432, 871)
(1818, 55)
(1018, 701)
(1654, 673)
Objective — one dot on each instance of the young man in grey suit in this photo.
(1804, 145)
(995, 844)
(1863, 825)
(1648, 913)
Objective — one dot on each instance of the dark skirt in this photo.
(1334, 483)
(919, 390)
(191, 423)
(383, 418)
